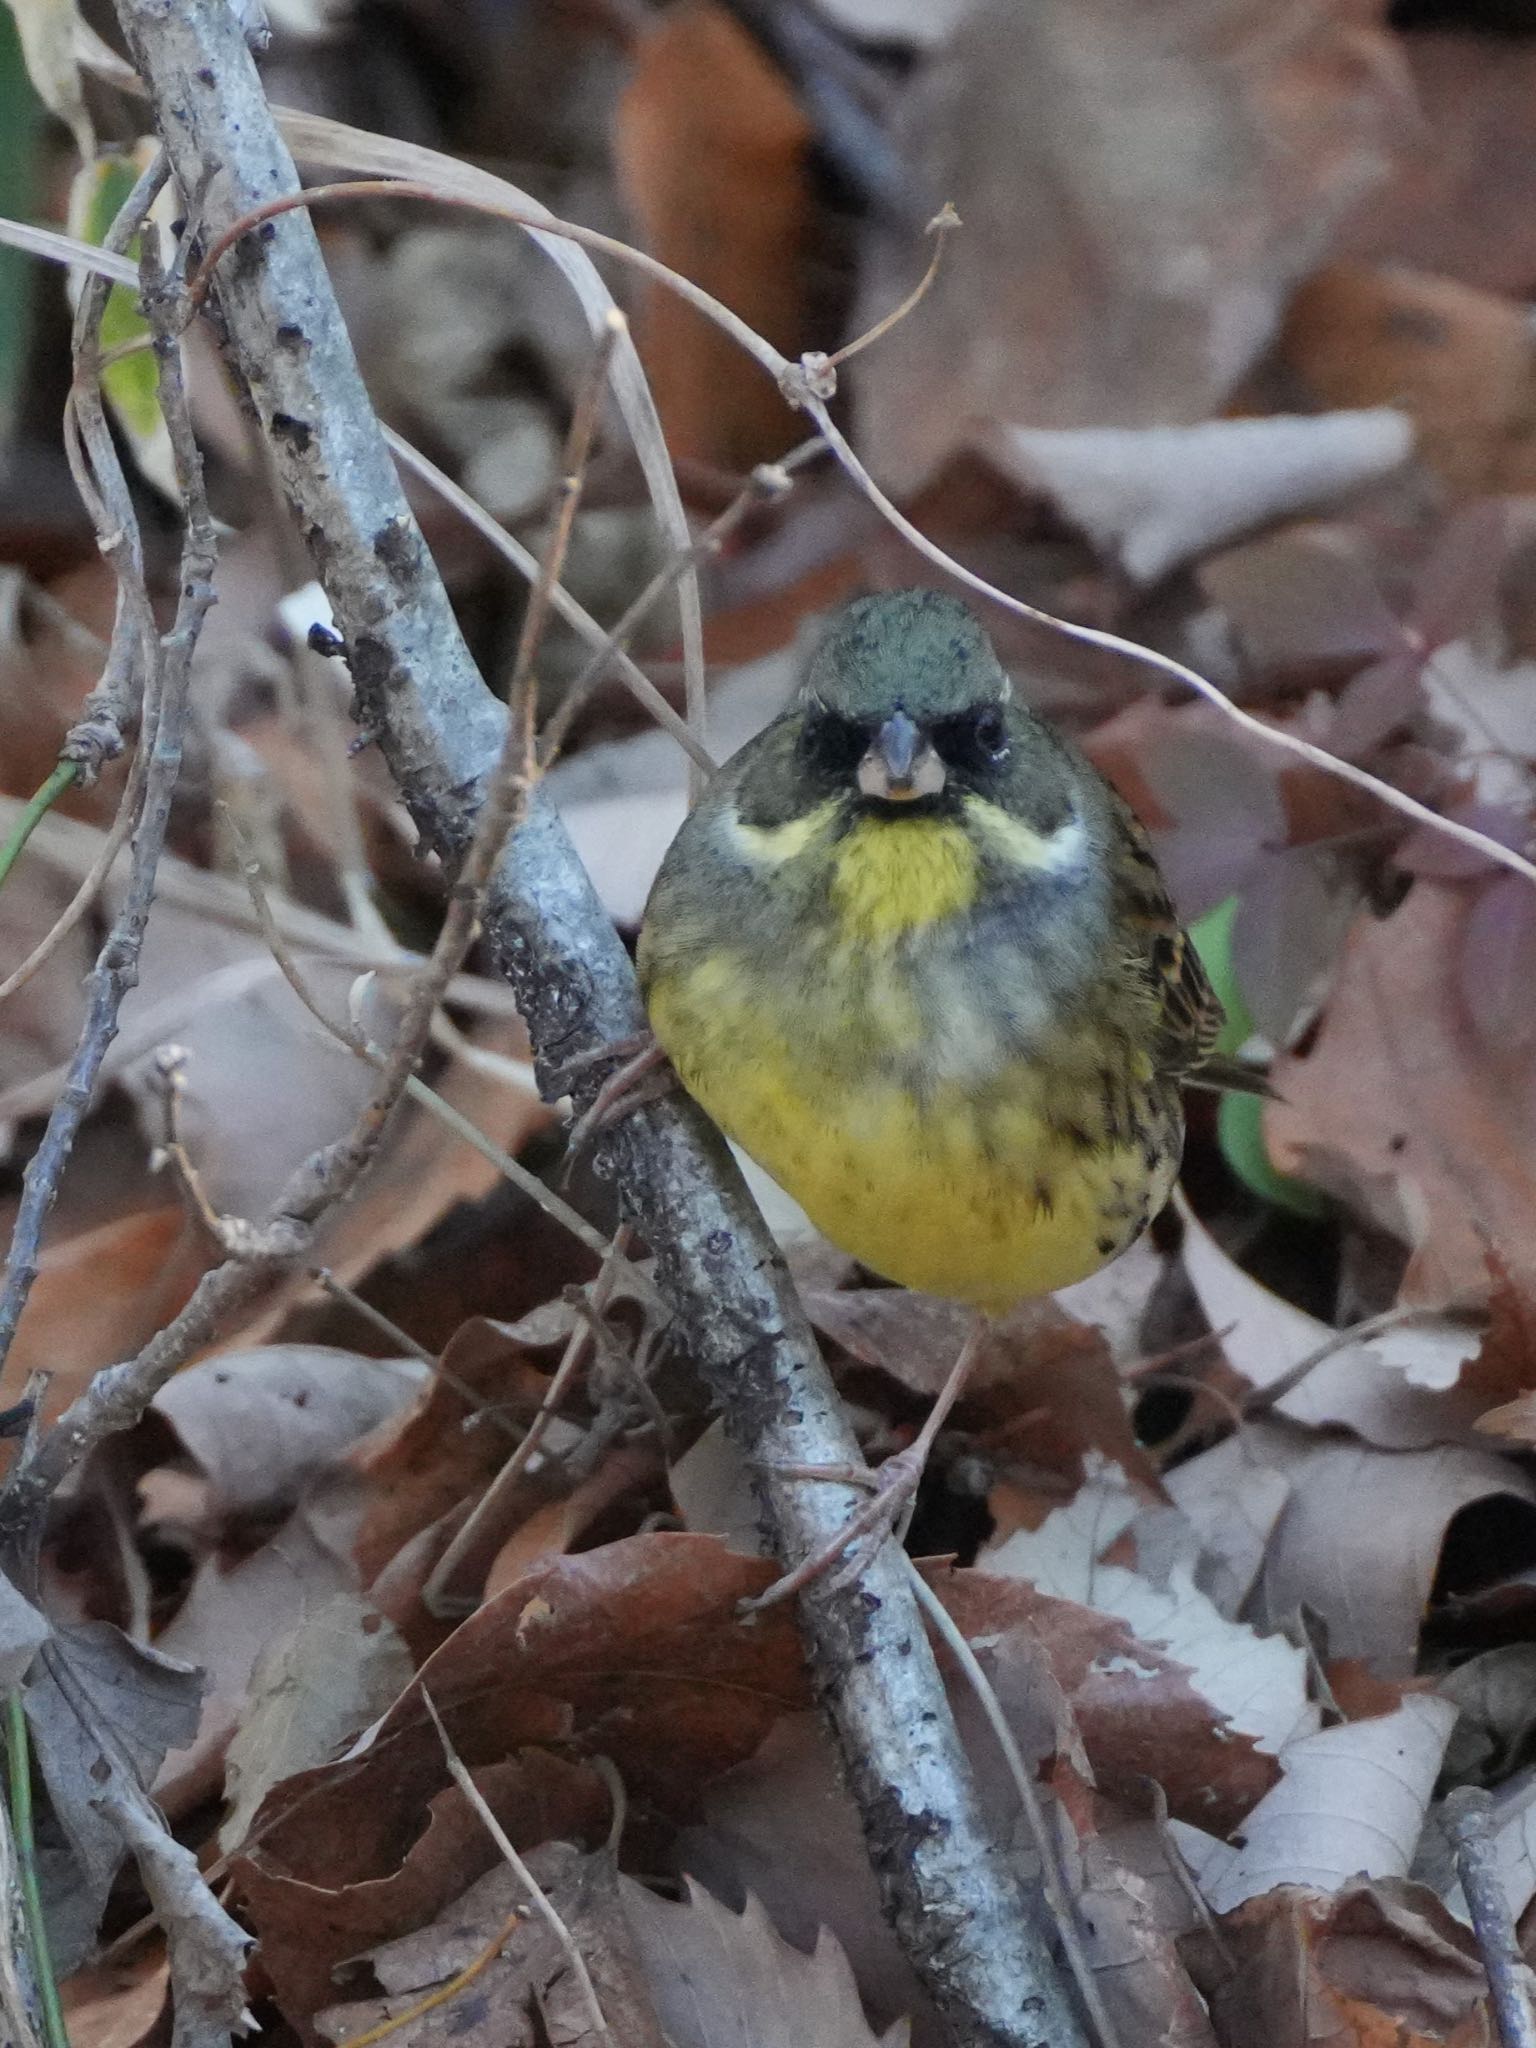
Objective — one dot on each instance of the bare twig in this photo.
(940, 227)
(1262, 1399)
(1468, 1810)
(768, 481)
(806, 384)
(537, 1898)
(956, 1903)
(85, 895)
(161, 666)
(434, 1593)
(634, 678)
(442, 1993)
(365, 1312)
(1057, 1897)
(358, 1042)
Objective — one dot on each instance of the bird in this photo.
(914, 955)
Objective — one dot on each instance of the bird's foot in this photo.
(892, 1487)
(644, 1075)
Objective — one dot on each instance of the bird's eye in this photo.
(833, 744)
(974, 739)
(992, 735)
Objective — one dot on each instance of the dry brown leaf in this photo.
(339, 1666)
(1257, 1684)
(618, 1488)
(424, 1173)
(1131, 1949)
(98, 1297)
(1376, 1966)
(1352, 1800)
(1044, 1387)
(1401, 1109)
(1409, 1387)
(336, 1870)
(117, 2005)
(225, 1623)
(1360, 1541)
(1140, 1713)
(711, 145)
(457, 1434)
(531, 1971)
(781, 1828)
(103, 1712)
(1459, 362)
(1139, 194)
(263, 1425)
(730, 1980)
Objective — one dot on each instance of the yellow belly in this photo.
(968, 1192)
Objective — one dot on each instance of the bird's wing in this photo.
(1189, 1015)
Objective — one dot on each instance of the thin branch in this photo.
(770, 480)
(940, 227)
(572, 1359)
(357, 1042)
(537, 1897)
(1063, 1912)
(365, 1311)
(1468, 1819)
(163, 666)
(634, 678)
(85, 895)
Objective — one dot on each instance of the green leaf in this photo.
(132, 384)
(1240, 1118)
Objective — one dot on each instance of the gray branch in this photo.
(957, 1905)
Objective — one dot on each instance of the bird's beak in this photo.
(902, 764)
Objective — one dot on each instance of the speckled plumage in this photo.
(954, 1028)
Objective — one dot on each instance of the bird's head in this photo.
(906, 709)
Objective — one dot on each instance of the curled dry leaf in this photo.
(339, 1861)
(721, 1979)
(1375, 1962)
(529, 1992)
(1405, 1113)
(102, 1713)
(1352, 1801)
(1361, 1538)
(1256, 1684)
